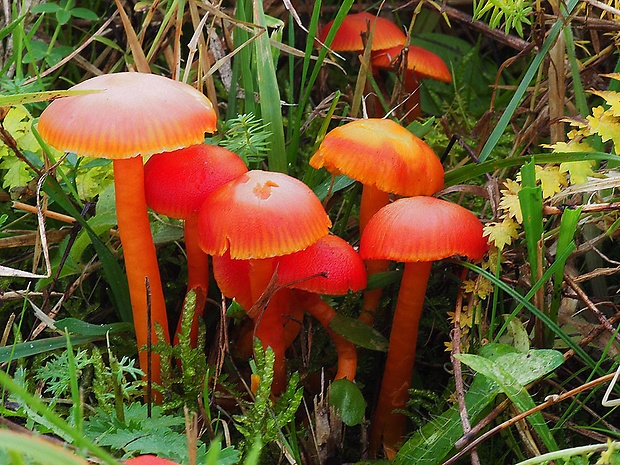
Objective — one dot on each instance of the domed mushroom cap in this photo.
(149, 460)
(176, 183)
(133, 114)
(423, 63)
(381, 153)
(348, 38)
(332, 256)
(261, 214)
(422, 229)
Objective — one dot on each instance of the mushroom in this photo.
(133, 115)
(417, 231)
(386, 158)
(149, 460)
(328, 267)
(258, 216)
(350, 38)
(420, 64)
(176, 184)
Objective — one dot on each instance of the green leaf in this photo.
(27, 349)
(348, 401)
(358, 333)
(75, 326)
(84, 13)
(383, 278)
(340, 182)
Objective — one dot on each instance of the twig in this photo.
(599, 207)
(47, 213)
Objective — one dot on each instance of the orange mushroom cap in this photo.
(381, 153)
(348, 38)
(422, 229)
(176, 183)
(149, 460)
(423, 63)
(134, 114)
(261, 214)
(233, 279)
(343, 268)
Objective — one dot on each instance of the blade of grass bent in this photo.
(269, 92)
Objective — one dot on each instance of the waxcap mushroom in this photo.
(422, 229)
(423, 63)
(261, 214)
(348, 38)
(342, 266)
(383, 154)
(149, 460)
(134, 113)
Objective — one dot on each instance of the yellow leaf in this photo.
(501, 233)
(606, 125)
(551, 180)
(578, 170)
(612, 98)
(510, 204)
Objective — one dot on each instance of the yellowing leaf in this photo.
(510, 204)
(606, 125)
(551, 180)
(612, 98)
(501, 233)
(578, 170)
(570, 146)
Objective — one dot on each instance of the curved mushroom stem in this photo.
(197, 275)
(268, 318)
(140, 258)
(324, 313)
(373, 200)
(388, 428)
(413, 109)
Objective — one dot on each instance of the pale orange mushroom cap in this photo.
(133, 114)
(381, 153)
(348, 38)
(422, 229)
(342, 266)
(261, 214)
(423, 63)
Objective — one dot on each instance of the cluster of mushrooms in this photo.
(267, 232)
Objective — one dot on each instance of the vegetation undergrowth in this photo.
(516, 351)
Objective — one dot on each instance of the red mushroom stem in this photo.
(140, 257)
(388, 427)
(324, 313)
(197, 275)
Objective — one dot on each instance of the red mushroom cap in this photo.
(261, 214)
(134, 114)
(381, 153)
(177, 183)
(423, 63)
(422, 229)
(233, 279)
(149, 460)
(343, 268)
(349, 35)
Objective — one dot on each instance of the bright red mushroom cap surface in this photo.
(132, 114)
(343, 267)
(424, 63)
(381, 153)
(233, 279)
(149, 460)
(261, 214)
(422, 229)
(348, 38)
(176, 183)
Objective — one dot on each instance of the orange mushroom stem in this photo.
(417, 231)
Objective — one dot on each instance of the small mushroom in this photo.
(258, 216)
(130, 115)
(176, 184)
(417, 231)
(348, 38)
(386, 158)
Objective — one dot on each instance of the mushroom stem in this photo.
(413, 108)
(388, 428)
(140, 258)
(197, 275)
(324, 313)
(268, 320)
(372, 201)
